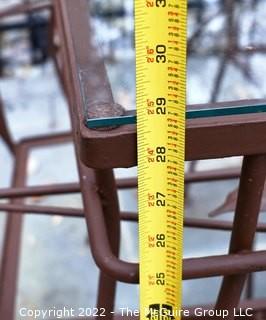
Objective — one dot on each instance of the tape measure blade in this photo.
(160, 34)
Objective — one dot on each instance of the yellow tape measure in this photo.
(160, 31)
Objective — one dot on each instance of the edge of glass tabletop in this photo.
(131, 118)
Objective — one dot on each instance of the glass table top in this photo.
(130, 116)
(226, 57)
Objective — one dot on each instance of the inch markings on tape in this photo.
(160, 35)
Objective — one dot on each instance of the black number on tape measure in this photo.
(160, 240)
(161, 102)
(161, 50)
(160, 312)
(160, 154)
(160, 202)
(160, 276)
(160, 3)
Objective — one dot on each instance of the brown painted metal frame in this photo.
(14, 222)
(80, 68)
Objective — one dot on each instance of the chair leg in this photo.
(11, 248)
(108, 193)
(245, 222)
